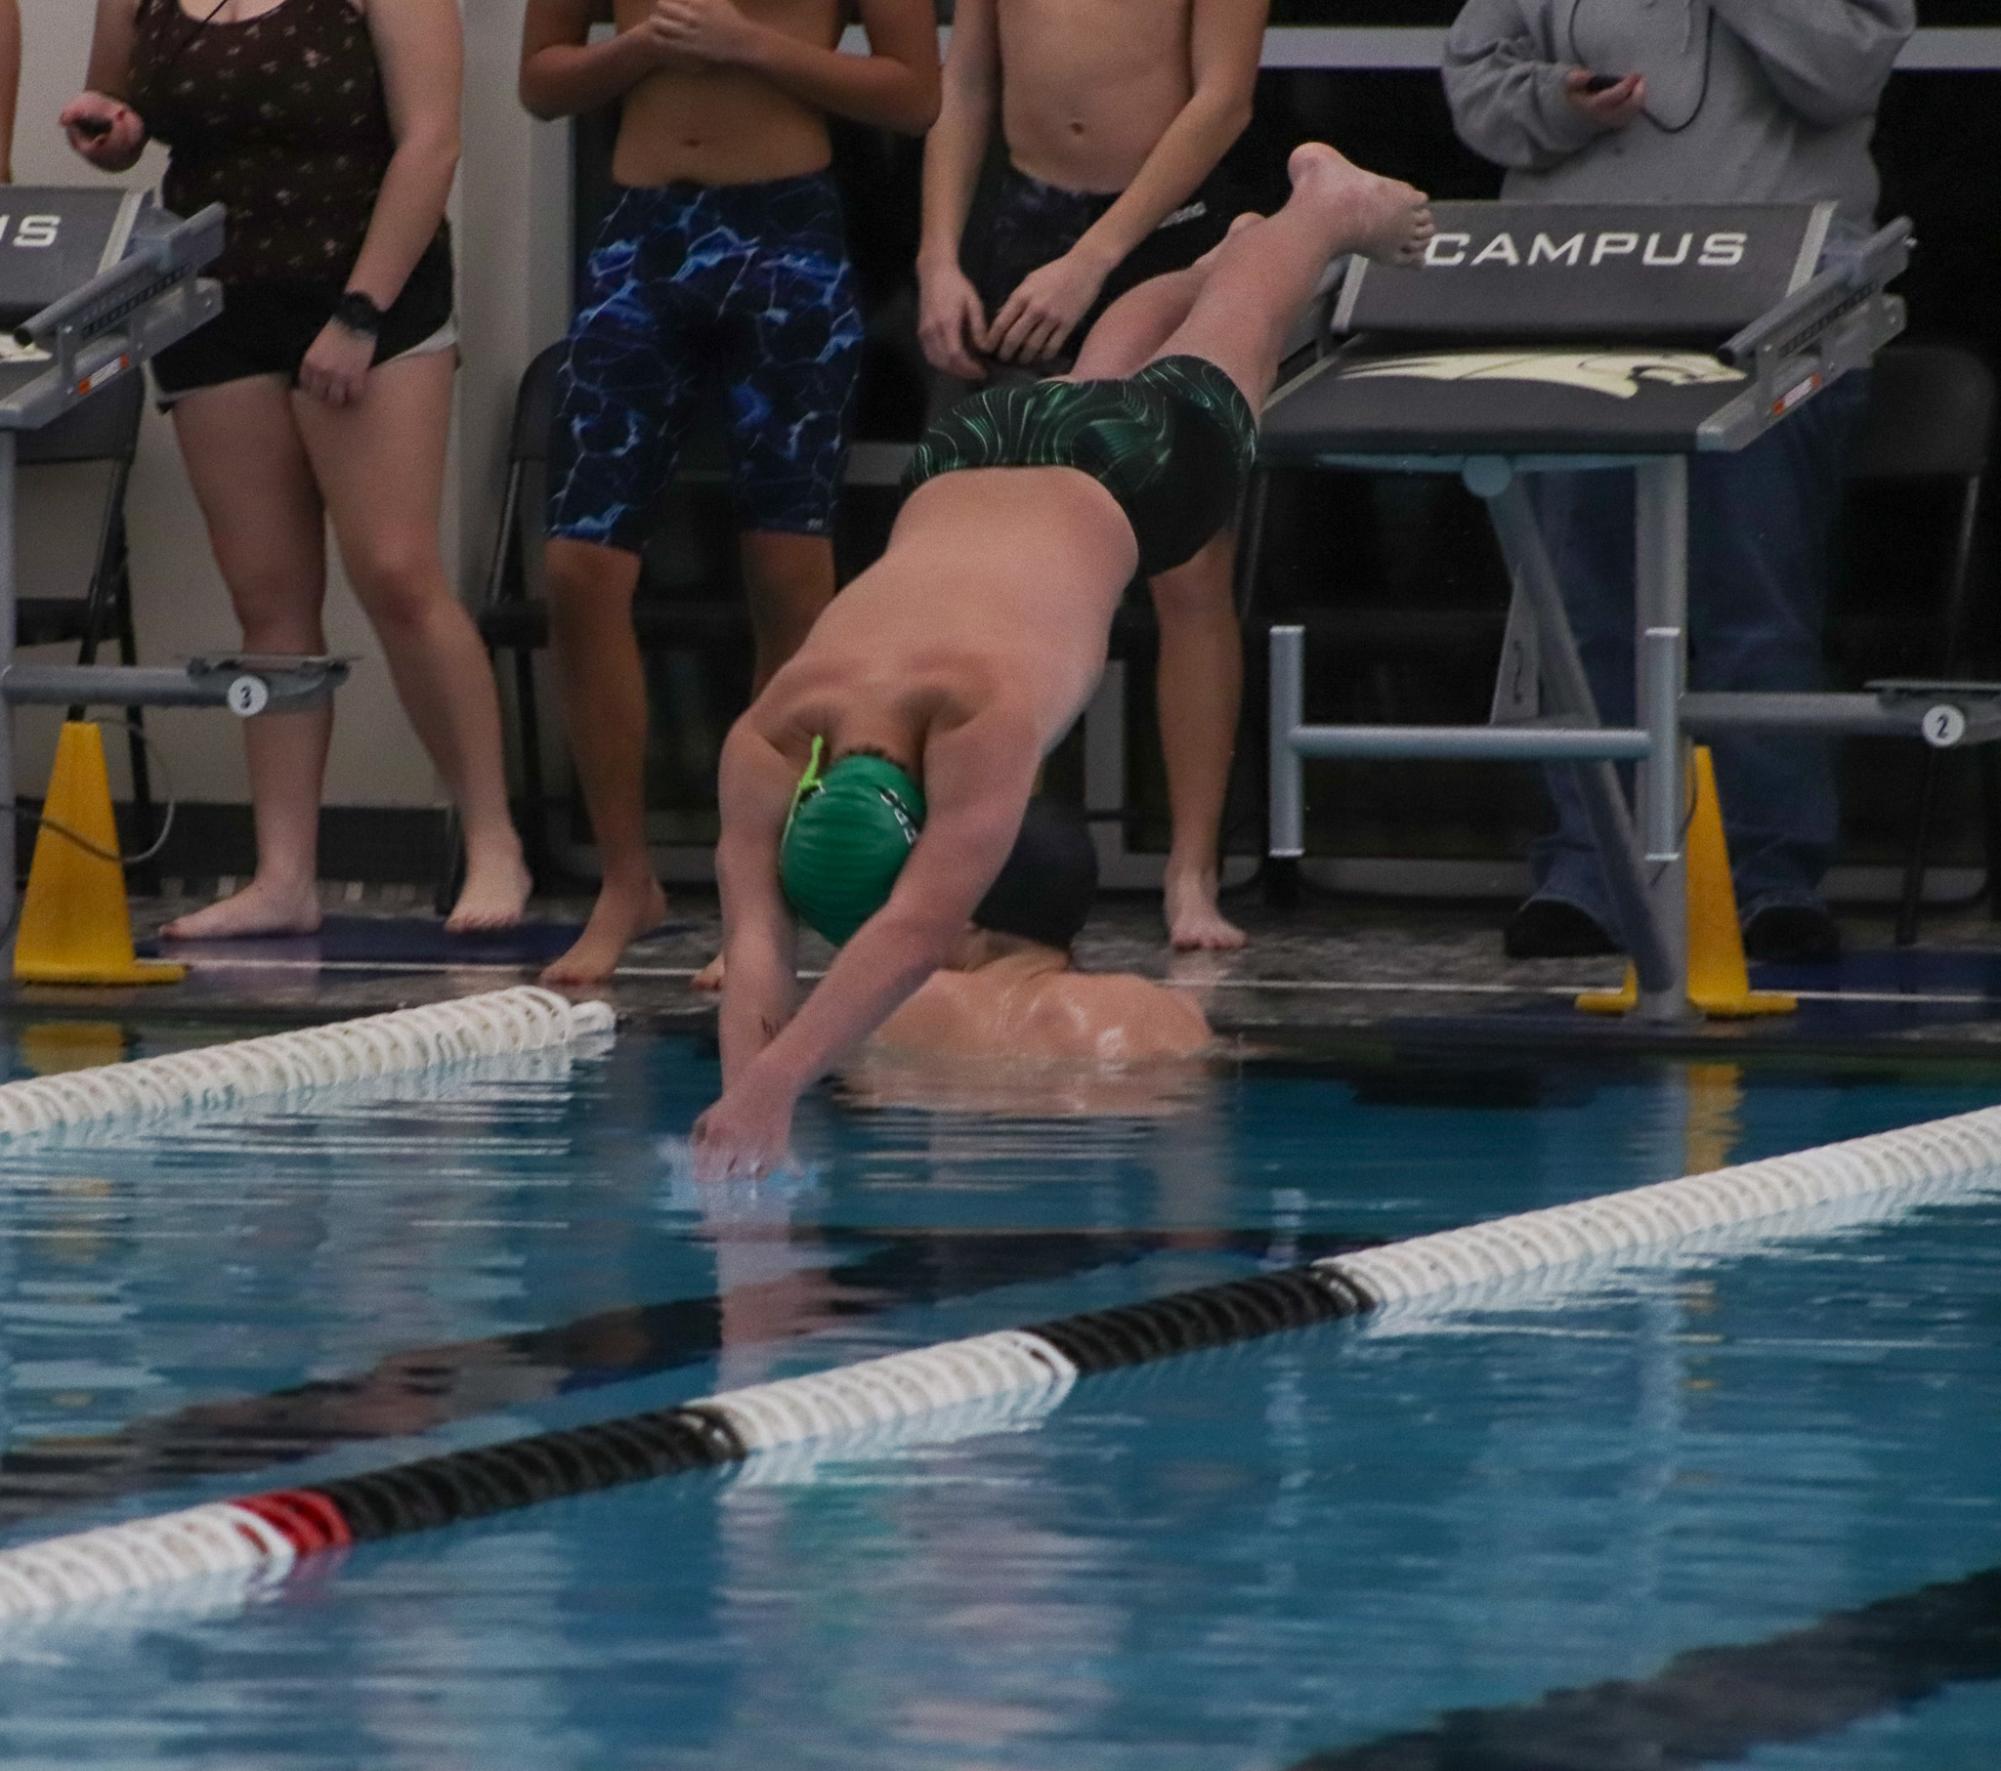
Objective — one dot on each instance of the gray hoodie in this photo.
(1747, 100)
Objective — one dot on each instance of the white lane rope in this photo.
(1782, 1195)
(220, 1078)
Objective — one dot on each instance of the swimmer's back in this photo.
(998, 586)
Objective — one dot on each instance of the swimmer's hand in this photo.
(762, 1201)
(1036, 321)
(951, 322)
(744, 1136)
(708, 30)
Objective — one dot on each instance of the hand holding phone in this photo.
(1610, 101)
(104, 130)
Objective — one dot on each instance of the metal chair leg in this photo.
(1958, 612)
(145, 815)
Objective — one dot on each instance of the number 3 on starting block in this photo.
(250, 695)
(1944, 726)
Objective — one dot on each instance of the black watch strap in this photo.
(358, 313)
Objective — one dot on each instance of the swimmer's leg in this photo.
(1131, 331)
(1133, 328)
(1145, 317)
(1261, 278)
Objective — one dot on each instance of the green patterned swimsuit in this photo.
(1173, 444)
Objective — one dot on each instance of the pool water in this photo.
(1745, 1510)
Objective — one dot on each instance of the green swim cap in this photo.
(848, 836)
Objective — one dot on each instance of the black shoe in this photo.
(1549, 928)
(1792, 934)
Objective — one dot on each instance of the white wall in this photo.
(511, 215)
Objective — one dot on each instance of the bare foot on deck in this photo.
(261, 908)
(1194, 923)
(710, 977)
(1388, 220)
(621, 915)
(494, 895)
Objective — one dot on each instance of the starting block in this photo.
(1539, 337)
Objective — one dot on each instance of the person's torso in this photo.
(708, 124)
(1089, 86)
(995, 599)
(1716, 127)
(280, 117)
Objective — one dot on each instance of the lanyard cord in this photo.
(201, 24)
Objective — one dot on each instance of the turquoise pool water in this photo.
(1747, 1510)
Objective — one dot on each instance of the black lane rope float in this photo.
(263, 1535)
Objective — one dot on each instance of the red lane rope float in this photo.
(308, 1518)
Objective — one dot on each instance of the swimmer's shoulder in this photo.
(947, 1017)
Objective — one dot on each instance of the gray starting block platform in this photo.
(1542, 337)
(92, 284)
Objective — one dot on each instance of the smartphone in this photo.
(1602, 82)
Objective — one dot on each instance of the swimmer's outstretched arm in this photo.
(760, 968)
(977, 779)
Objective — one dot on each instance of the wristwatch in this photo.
(359, 313)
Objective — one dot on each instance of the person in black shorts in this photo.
(322, 394)
(1114, 117)
(719, 280)
(1030, 224)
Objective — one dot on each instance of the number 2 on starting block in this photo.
(1944, 726)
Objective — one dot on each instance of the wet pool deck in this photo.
(1331, 972)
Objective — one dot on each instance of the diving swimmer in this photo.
(878, 785)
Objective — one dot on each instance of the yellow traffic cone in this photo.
(76, 927)
(1719, 982)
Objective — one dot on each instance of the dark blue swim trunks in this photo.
(692, 289)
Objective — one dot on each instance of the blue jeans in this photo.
(1759, 533)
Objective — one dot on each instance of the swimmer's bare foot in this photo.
(625, 910)
(494, 895)
(710, 977)
(1384, 218)
(1194, 923)
(263, 907)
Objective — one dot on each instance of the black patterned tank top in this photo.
(281, 118)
